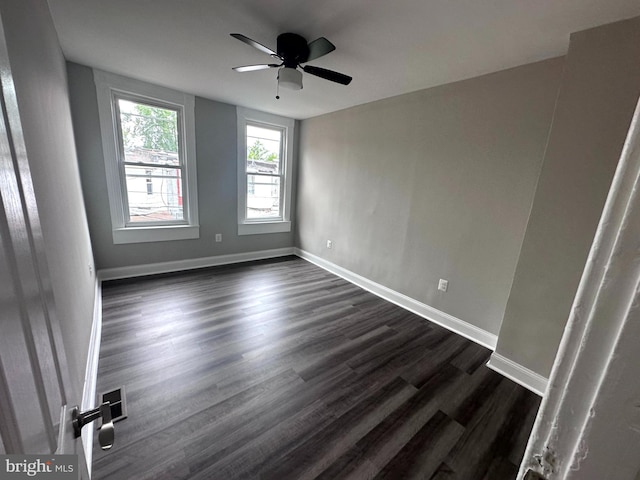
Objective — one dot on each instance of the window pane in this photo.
(155, 194)
(263, 149)
(149, 134)
(263, 196)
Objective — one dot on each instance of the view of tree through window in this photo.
(264, 172)
(152, 163)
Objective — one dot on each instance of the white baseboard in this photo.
(519, 374)
(191, 263)
(434, 315)
(91, 372)
(510, 369)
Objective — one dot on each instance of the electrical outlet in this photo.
(443, 285)
(329, 244)
(218, 237)
(90, 270)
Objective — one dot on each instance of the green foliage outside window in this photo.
(259, 152)
(156, 128)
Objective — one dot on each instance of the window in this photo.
(265, 157)
(149, 148)
(263, 172)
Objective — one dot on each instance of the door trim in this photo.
(91, 373)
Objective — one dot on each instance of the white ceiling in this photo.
(389, 47)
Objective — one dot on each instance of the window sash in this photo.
(281, 169)
(122, 163)
(271, 218)
(281, 132)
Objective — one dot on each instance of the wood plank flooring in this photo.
(281, 370)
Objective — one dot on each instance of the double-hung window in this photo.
(149, 149)
(265, 158)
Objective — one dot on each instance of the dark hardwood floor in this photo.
(280, 370)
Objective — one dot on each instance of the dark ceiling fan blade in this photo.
(328, 74)
(319, 47)
(254, 44)
(253, 68)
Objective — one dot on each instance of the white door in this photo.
(35, 389)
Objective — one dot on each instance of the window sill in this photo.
(155, 234)
(263, 227)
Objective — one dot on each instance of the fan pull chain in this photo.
(277, 90)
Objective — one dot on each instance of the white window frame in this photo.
(253, 226)
(109, 87)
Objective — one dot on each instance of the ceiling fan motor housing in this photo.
(293, 49)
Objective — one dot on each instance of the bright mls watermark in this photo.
(51, 467)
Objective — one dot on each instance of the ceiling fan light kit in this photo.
(290, 78)
(293, 50)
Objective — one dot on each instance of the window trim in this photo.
(287, 125)
(109, 87)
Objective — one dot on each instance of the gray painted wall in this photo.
(433, 184)
(599, 91)
(41, 86)
(216, 153)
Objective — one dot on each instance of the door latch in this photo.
(106, 433)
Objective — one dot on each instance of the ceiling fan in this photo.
(292, 51)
